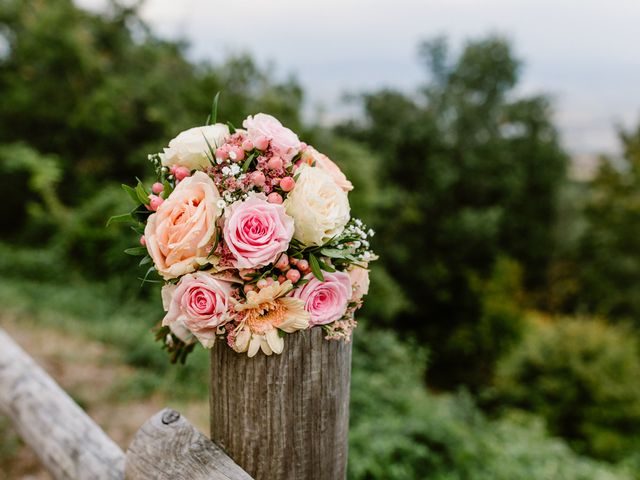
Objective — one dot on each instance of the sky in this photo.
(584, 54)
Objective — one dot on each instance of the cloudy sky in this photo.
(582, 52)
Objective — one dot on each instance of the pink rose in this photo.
(283, 141)
(199, 303)
(178, 236)
(325, 301)
(256, 231)
(360, 280)
(311, 155)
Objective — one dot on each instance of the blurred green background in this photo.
(500, 336)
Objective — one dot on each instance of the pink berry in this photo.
(155, 202)
(282, 279)
(262, 143)
(245, 273)
(283, 262)
(275, 163)
(303, 265)
(274, 197)
(157, 188)
(270, 281)
(287, 184)
(293, 275)
(258, 178)
(181, 173)
(248, 288)
(236, 153)
(293, 261)
(143, 241)
(222, 153)
(247, 145)
(262, 283)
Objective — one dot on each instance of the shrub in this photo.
(582, 377)
(399, 430)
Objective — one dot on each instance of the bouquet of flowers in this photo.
(251, 233)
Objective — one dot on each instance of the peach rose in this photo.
(311, 156)
(360, 282)
(178, 236)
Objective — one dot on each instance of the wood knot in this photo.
(170, 416)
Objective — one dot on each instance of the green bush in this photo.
(582, 377)
(400, 431)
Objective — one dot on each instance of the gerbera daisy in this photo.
(264, 313)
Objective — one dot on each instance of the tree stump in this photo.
(284, 417)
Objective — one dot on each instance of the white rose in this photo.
(319, 207)
(189, 149)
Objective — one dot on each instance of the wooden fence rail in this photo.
(71, 446)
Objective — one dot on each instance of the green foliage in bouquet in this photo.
(582, 377)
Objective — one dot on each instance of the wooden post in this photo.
(283, 417)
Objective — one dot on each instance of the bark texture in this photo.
(284, 417)
(168, 447)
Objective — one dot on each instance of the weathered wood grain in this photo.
(284, 417)
(67, 442)
(168, 447)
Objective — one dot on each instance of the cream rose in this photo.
(178, 236)
(189, 149)
(319, 207)
(311, 156)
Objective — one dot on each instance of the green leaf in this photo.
(214, 109)
(132, 193)
(143, 195)
(247, 163)
(211, 154)
(146, 277)
(326, 267)
(139, 229)
(315, 267)
(232, 129)
(167, 189)
(136, 251)
(336, 252)
(145, 261)
(125, 217)
(217, 234)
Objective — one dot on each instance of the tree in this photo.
(475, 172)
(608, 258)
